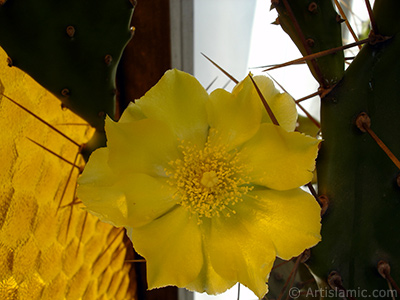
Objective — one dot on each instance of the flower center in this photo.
(208, 181)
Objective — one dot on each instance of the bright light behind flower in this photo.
(206, 185)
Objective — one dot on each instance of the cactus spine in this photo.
(359, 179)
(50, 248)
(70, 48)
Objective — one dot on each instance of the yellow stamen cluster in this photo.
(208, 181)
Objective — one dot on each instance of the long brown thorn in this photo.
(211, 83)
(135, 260)
(55, 154)
(280, 264)
(384, 271)
(221, 69)
(343, 15)
(303, 40)
(371, 17)
(81, 234)
(319, 54)
(314, 193)
(69, 221)
(265, 103)
(317, 93)
(41, 120)
(66, 184)
(363, 123)
(120, 230)
(291, 275)
(309, 116)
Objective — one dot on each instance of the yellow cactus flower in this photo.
(206, 185)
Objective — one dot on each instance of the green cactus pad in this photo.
(71, 48)
(361, 226)
(319, 30)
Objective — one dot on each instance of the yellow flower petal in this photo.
(235, 117)
(147, 198)
(210, 281)
(178, 99)
(171, 245)
(291, 218)
(144, 146)
(96, 189)
(132, 113)
(132, 200)
(282, 105)
(242, 251)
(190, 222)
(265, 85)
(279, 159)
(284, 109)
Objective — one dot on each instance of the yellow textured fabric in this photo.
(45, 253)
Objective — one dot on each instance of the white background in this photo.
(238, 35)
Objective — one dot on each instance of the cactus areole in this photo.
(71, 48)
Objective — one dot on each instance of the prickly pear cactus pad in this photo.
(358, 166)
(314, 26)
(362, 224)
(71, 48)
(50, 248)
(207, 185)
